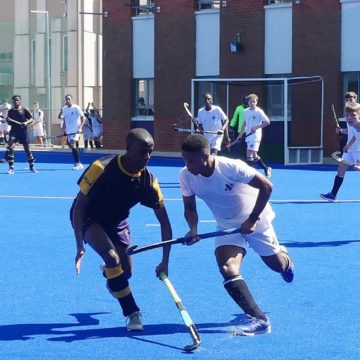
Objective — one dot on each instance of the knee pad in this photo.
(117, 283)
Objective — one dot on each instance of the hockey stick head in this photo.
(187, 109)
(193, 346)
(337, 156)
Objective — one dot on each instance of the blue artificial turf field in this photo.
(49, 312)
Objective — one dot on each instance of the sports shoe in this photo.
(32, 169)
(78, 166)
(288, 274)
(268, 172)
(255, 327)
(328, 197)
(134, 322)
(11, 171)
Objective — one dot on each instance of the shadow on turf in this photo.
(66, 332)
(310, 244)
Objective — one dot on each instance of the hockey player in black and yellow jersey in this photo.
(109, 188)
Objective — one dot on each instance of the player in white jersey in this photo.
(74, 119)
(255, 120)
(238, 197)
(38, 123)
(212, 118)
(351, 150)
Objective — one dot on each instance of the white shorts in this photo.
(215, 141)
(38, 130)
(253, 145)
(352, 157)
(5, 127)
(264, 243)
(73, 137)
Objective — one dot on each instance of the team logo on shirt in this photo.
(229, 187)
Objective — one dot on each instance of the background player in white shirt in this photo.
(254, 121)
(74, 119)
(351, 150)
(212, 118)
(238, 197)
(38, 123)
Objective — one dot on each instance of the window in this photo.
(33, 62)
(143, 7)
(144, 97)
(351, 81)
(275, 99)
(209, 4)
(271, 2)
(65, 54)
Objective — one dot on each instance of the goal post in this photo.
(293, 104)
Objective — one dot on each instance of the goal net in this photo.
(294, 106)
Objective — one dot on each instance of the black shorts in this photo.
(21, 137)
(119, 234)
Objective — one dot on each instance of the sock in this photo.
(261, 163)
(240, 293)
(76, 156)
(337, 183)
(118, 286)
(10, 157)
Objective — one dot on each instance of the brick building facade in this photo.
(307, 41)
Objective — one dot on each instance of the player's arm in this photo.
(166, 234)
(78, 220)
(349, 144)
(191, 217)
(28, 116)
(241, 133)
(265, 188)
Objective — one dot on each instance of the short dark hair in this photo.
(195, 143)
(139, 134)
(14, 96)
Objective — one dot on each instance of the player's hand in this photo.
(345, 148)
(194, 238)
(162, 267)
(338, 131)
(248, 227)
(78, 260)
(357, 166)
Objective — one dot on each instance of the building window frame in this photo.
(275, 99)
(65, 53)
(144, 99)
(351, 81)
(33, 62)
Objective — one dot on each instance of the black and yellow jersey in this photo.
(112, 191)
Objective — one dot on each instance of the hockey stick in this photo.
(337, 156)
(236, 141)
(182, 240)
(335, 117)
(187, 109)
(174, 126)
(58, 136)
(184, 314)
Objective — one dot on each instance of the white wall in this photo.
(90, 59)
(278, 39)
(350, 40)
(72, 75)
(22, 61)
(143, 46)
(207, 43)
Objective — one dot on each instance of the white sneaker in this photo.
(255, 327)
(78, 166)
(11, 171)
(134, 322)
